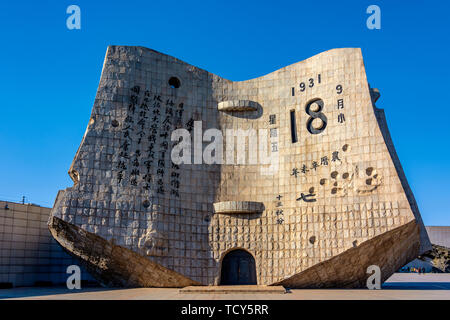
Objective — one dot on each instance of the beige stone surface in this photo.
(335, 202)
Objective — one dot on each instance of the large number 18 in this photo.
(314, 110)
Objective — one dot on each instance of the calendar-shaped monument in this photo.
(186, 178)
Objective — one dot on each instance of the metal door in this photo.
(238, 268)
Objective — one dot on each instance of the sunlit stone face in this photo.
(331, 201)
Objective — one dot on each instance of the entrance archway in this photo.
(238, 268)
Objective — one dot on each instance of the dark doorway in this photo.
(238, 268)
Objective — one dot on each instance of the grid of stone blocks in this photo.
(332, 190)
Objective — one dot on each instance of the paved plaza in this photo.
(398, 287)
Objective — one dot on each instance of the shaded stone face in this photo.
(315, 196)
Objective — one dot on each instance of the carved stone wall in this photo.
(332, 201)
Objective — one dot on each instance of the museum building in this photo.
(331, 201)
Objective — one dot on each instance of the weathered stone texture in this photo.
(111, 264)
(161, 217)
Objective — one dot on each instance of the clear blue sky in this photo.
(49, 74)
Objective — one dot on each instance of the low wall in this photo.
(28, 253)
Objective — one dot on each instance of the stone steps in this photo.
(233, 289)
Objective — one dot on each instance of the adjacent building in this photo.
(439, 236)
(28, 253)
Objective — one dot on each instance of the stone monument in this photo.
(314, 195)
